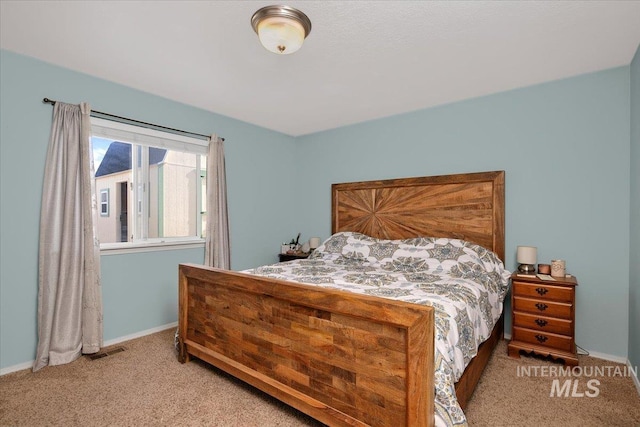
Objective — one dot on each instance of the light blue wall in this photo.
(139, 290)
(564, 146)
(634, 251)
(565, 149)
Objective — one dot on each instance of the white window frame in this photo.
(105, 202)
(138, 135)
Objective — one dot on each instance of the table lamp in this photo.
(314, 242)
(527, 256)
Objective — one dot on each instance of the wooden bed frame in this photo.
(343, 358)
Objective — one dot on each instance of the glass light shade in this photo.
(281, 29)
(281, 35)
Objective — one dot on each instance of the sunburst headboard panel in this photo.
(463, 206)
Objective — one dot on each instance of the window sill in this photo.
(167, 245)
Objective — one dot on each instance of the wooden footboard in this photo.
(342, 358)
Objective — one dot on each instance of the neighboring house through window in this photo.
(152, 181)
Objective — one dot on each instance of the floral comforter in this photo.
(465, 283)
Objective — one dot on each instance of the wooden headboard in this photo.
(464, 206)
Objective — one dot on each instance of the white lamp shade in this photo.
(281, 35)
(527, 255)
(314, 242)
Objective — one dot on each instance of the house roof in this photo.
(118, 158)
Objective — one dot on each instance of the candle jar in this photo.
(557, 268)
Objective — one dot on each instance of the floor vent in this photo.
(106, 353)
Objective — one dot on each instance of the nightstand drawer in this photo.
(542, 323)
(540, 291)
(544, 339)
(546, 308)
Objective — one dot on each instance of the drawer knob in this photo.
(541, 322)
(541, 338)
(541, 306)
(542, 291)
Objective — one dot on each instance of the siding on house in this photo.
(173, 209)
(108, 227)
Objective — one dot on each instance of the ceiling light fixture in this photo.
(281, 29)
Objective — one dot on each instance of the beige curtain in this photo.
(217, 252)
(69, 293)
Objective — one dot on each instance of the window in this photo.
(104, 202)
(203, 205)
(157, 183)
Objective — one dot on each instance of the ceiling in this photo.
(363, 59)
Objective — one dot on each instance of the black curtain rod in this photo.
(126, 119)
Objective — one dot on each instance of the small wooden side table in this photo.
(543, 317)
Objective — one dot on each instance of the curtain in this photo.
(217, 252)
(69, 292)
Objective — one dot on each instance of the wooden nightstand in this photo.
(543, 317)
(291, 257)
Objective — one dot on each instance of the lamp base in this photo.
(527, 268)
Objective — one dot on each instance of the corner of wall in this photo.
(634, 219)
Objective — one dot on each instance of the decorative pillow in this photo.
(345, 244)
(421, 254)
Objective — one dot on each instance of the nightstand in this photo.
(291, 257)
(543, 317)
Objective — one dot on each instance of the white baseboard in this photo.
(15, 368)
(29, 365)
(636, 381)
(140, 334)
(609, 357)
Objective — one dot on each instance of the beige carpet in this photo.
(505, 398)
(145, 385)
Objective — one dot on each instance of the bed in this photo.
(343, 357)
